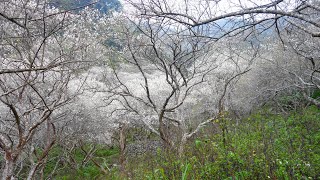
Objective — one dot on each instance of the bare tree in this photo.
(159, 49)
(41, 50)
(290, 68)
(307, 52)
(294, 23)
(167, 65)
(251, 14)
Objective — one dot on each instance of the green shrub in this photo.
(263, 146)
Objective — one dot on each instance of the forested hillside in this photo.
(159, 89)
(104, 6)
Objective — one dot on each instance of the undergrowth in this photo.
(262, 146)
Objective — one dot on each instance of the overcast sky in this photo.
(218, 6)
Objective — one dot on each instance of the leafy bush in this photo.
(262, 146)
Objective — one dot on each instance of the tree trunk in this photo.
(183, 143)
(164, 133)
(42, 170)
(32, 172)
(7, 173)
(184, 138)
(122, 143)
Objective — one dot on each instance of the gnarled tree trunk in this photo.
(122, 144)
(7, 173)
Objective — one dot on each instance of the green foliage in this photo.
(263, 146)
(104, 156)
(316, 94)
(186, 171)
